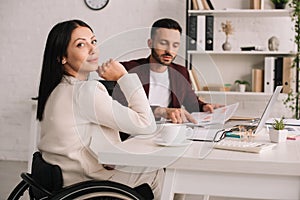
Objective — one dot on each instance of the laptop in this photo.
(265, 115)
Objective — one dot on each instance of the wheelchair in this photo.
(45, 182)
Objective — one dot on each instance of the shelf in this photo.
(264, 53)
(243, 12)
(233, 93)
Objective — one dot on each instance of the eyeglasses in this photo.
(219, 135)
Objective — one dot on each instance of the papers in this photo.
(219, 116)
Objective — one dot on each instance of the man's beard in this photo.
(156, 57)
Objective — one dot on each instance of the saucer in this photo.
(160, 142)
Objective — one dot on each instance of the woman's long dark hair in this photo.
(52, 68)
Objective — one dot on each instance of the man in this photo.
(167, 85)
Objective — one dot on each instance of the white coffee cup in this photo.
(174, 133)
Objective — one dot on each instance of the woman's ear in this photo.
(64, 60)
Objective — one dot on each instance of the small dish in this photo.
(160, 142)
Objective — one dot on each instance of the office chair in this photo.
(45, 182)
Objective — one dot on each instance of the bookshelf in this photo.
(253, 27)
(243, 12)
(265, 53)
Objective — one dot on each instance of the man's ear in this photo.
(150, 43)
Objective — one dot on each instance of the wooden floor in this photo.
(10, 176)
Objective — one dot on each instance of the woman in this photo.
(72, 109)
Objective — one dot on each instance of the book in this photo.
(194, 85)
(197, 82)
(205, 5)
(201, 32)
(256, 4)
(278, 70)
(200, 5)
(211, 7)
(257, 80)
(269, 66)
(192, 33)
(287, 74)
(195, 5)
(209, 32)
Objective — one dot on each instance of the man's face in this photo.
(165, 45)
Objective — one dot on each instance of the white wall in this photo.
(24, 28)
(121, 29)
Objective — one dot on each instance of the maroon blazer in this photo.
(180, 84)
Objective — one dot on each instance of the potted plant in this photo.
(278, 133)
(242, 84)
(279, 4)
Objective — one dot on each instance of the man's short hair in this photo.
(165, 23)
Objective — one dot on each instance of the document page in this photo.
(218, 116)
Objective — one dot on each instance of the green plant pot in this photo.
(280, 6)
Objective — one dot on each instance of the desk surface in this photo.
(273, 174)
(283, 159)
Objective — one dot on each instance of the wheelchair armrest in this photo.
(27, 178)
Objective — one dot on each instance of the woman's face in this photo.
(82, 53)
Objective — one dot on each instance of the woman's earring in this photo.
(63, 61)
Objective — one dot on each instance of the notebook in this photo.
(265, 114)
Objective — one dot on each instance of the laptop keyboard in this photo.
(244, 146)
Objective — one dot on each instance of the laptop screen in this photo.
(268, 109)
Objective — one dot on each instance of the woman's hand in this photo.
(111, 70)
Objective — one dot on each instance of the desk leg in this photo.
(167, 190)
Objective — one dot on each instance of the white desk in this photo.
(272, 174)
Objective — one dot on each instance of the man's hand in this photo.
(176, 115)
(210, 107)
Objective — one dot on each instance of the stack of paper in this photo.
(218, 116)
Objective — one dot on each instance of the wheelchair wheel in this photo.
(94, 190)
(19, 191)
